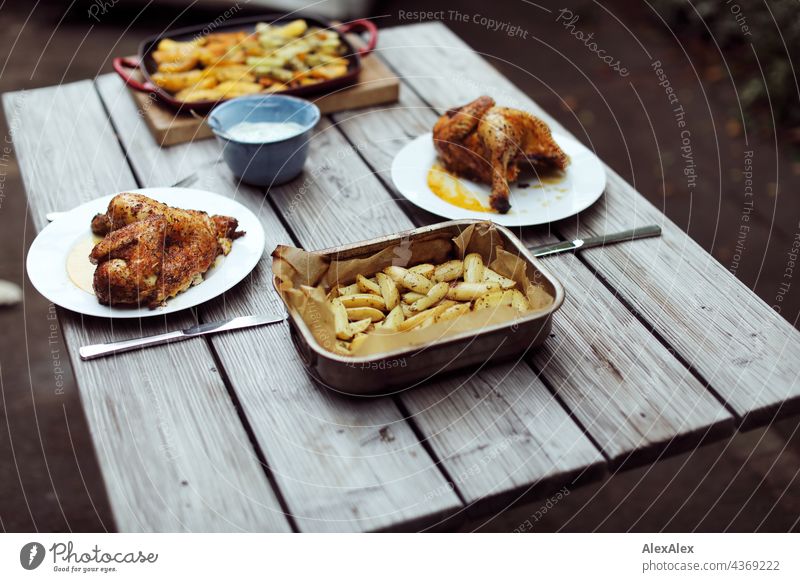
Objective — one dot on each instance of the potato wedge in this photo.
(418, 318)
(340, 321)
(363, 300)
(449, 271)
(436, 294)
(394, 319)
(425, 269)
(349, 290)
(388, 290)
(473, 268)
(360, 313)
(452, 312)
(409, 279)
(367, 285)
(412, 296)
(361, 325)
(470, 291)
(493, 300)
(495, 277)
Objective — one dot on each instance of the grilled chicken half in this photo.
(486, 143)
(151, 252)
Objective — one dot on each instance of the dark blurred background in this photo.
(739, 98)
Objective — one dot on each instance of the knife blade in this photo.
(100, 350)
(596, 241)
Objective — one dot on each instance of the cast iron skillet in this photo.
(147, 65)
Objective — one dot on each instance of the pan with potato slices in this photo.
(415, 304)
(197, 67)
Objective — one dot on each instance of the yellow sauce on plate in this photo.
(450, 189)
(79, 269)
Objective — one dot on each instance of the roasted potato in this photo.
(363, 300)
(367, 285)
(449, 271)
(431, 294)
(388, 290)
(433, 297)
(274, 58)
(409, 279)
(473, 268)
(470, 291)
(360, 313)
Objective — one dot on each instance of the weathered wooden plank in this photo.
(742, 348)
(174, 455)
(341, 464)
(629, 393)
(340, 200)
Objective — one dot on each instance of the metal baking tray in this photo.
(413, 366)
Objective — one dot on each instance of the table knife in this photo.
(99, 350)
(596, 241)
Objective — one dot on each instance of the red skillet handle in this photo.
(122, 65)
(362, 25)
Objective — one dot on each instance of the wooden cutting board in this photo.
(376, 85)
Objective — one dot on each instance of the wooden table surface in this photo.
(656, 349)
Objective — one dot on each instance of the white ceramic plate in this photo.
(47, 257)
(539, 203)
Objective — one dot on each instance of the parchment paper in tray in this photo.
(306, 278)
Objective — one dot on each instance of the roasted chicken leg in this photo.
(486, 143)
(151, 251)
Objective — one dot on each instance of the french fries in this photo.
(401, 299)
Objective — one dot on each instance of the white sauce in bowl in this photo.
(264, 131)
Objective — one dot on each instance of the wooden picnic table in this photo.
(657, 348)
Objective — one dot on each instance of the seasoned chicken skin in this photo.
(486, 143)
(151, 252)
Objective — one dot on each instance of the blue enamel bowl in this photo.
(265, 163)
